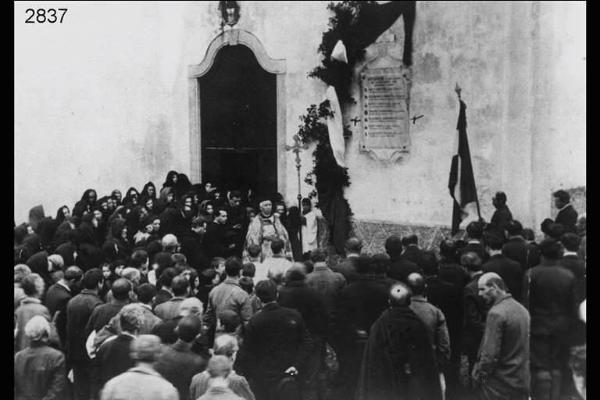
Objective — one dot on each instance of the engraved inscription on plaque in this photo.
(385, 120)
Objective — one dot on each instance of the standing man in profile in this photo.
(502, 216)
(567, 216)
(502, 368)
(237, 228)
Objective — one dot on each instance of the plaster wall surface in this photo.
(102, 101)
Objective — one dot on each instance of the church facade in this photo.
(119, 94)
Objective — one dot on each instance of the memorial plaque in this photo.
(385, 109)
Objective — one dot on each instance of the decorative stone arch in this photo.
(235, 37)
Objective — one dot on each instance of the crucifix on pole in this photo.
(297, 148)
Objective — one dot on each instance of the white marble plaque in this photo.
(385, 87)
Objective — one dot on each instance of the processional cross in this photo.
(297, 148)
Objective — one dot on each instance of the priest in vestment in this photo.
(264, 228)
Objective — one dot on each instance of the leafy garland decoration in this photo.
(331, 179)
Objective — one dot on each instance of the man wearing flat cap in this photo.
(266, 227)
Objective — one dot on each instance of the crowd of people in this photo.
(191, 292)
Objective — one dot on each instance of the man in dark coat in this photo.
(113, 357)
(502, 368)
(518, 249)
(236, 222)
(177, 363)
(567, 216)
(509, 270)
(79, 310)
(358, 306)
(398, 362)
(276, 343)
(58, 296)
(411, 252)
(102, 314)
(550, 295)
(571, 261)
(324, 280)
(502, 216)
(347, 266)
(475, 241)
(400, 267)
(216, 242)
(311, 305)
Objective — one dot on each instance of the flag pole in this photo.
(458, 89)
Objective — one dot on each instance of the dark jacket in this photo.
(309, 303)
(477, 248)
(178, 364)
(57, 299)
(275, 339)
(475, 311)
(503, 360)
(412, 253)
(550, 295)
(358, 306)
(327, 283)
(113, 358)
(40, 373)
(401, 268)
(79, 310)
(526, 254)
(502, 216)
(398, 342)
(103, 314)
(577, 267)
(567, 217)
(161, 296)
(509, 270)
(214, 241)
(347, 268)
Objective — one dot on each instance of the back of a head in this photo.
(145, 293)
(571, 241)
(475, 230)
(21, 271)
(138, 258)
(73, 273)
(254, 250)
(528, 234)
(550, 249)
(131, 318)
(191, 306)
(167, 276)
(266, 291)
(179, 286)
(179, 258)
(416, 283)
(169, 243)
(364, 264)
(295, 274)
(146, 348)
(471, 261)
(353, 245)
(188, 328)
(399, 295)
(219, 367)
(230, 320)
(429, 263)
(555, 230)
(380, 263)
(247, 284)
(133, 275)
(410, 239)
(393, 246)
(514, 228)
(318, 255)
(277, 246)
(494, 242)
(233, 266)
(121, 288)
(92, 278)
(37, 328)
(225, 345)
(448, 249)
(207, 276)
(249, 270)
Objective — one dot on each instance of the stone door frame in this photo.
(233, 37)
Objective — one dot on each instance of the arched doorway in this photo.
(237, 116)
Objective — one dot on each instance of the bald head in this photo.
(73, 273)
(188, 328)
(190, 306)
(491, 287)
(491, 278)
(416, 284)
(121, 288)
(399, 295)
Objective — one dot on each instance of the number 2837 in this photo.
(41, 15)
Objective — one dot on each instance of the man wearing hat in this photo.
(264, 228)
(502, 216)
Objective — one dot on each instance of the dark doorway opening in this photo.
(238, 110)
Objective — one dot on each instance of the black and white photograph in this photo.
(300, 200)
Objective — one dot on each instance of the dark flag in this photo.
(462, 181)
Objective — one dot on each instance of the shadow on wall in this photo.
(158, 153)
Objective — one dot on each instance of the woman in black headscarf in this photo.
(206, 211)
(116, 195)
(62, 213)
(183, 185)
(31, 245)
(131, 198)
(166, 200)
(148, 192)
(171, 180)
(149, 204)
(86, 204)
(62, 231)
(117, 245)
(86, 232)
